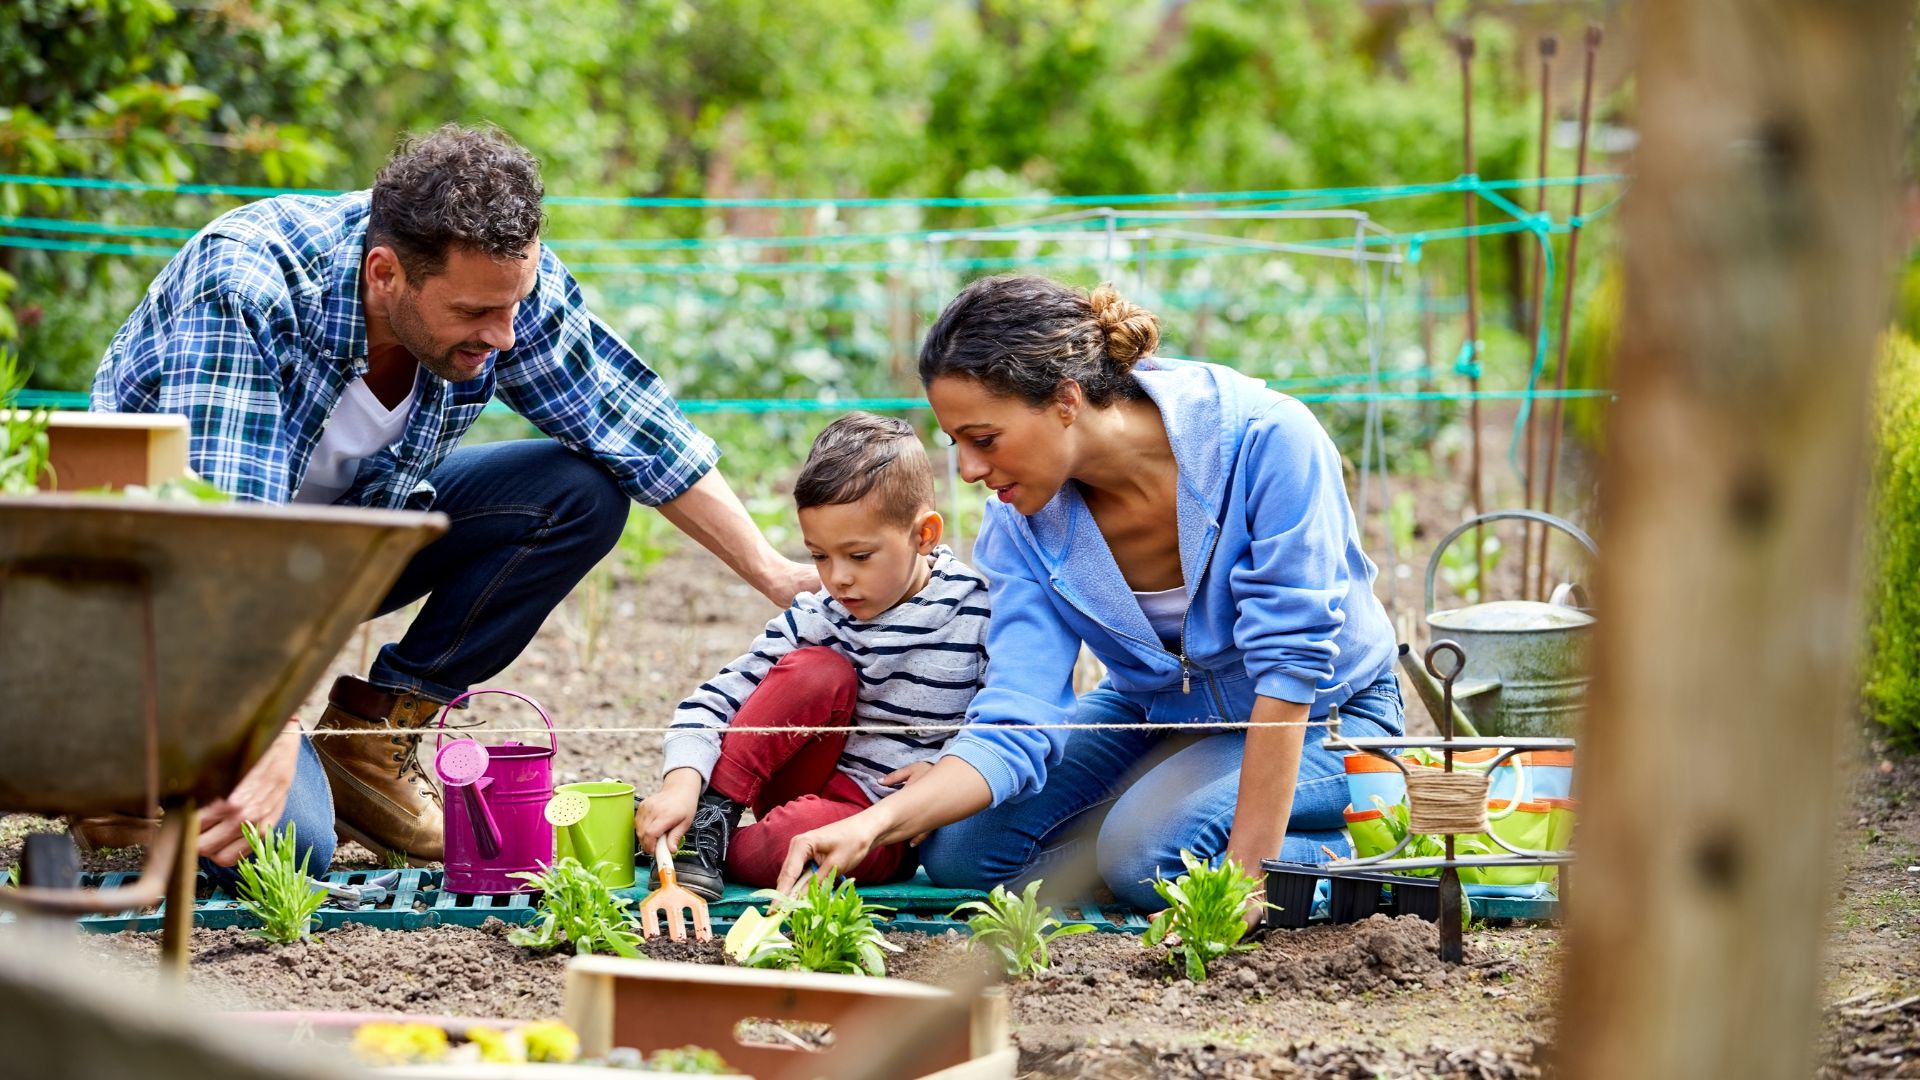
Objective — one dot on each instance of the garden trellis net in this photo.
(763, 311)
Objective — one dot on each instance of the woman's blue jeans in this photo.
(1137, 798)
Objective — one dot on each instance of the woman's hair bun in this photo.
(1131, 330)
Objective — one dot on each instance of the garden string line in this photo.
(1221, 724)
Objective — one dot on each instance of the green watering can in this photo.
(1526, 668)
(593, 822)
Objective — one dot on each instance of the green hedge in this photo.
(1892, 685)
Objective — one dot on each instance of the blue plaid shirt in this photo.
(256, 327)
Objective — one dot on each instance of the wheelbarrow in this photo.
(150, 653)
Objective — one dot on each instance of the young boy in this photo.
(896, 638)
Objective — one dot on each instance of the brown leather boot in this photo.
(382, 797)
(102, 832)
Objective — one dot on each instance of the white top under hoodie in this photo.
(919, 661)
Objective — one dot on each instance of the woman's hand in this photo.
(947, 791)
(1256, 912)
(838, 847)
(1269, 768)
(901, 777)
(669, 811)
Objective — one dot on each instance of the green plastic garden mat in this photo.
(417, 903)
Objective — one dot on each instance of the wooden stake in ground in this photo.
(1758, 245)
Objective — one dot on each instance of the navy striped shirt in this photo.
(919, 662)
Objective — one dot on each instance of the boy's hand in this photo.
(900, 778)
(669, 811)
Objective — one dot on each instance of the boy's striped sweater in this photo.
(919, 662)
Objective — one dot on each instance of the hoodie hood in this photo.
(1206, 409)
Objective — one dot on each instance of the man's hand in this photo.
(789, 579)
(669, 811)
(260, 799)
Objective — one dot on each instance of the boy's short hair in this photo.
(861, 454)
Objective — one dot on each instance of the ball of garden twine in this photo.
(1444, 802)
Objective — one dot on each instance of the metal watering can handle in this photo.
(553, 742)
(1565, 526)
(1521, 789)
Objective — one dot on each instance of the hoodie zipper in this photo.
(1186, 680)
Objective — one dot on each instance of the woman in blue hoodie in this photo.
(1192, 529)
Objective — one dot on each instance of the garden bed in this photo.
(1335, 1000)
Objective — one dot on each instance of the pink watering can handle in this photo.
(553, 742)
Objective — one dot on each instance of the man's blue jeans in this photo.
(529, 520)
(1137, 798)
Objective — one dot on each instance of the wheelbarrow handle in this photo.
(553, 742)
(1565, 526)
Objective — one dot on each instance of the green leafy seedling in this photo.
(577, 908)
(1422, 846)
(1016, 928)
(689, 1059)
(829, 928)
(275, 888)
(1205, 914)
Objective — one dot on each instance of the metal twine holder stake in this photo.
(1446, 802)
(1452, 948)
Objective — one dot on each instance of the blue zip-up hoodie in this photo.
(1272, 561)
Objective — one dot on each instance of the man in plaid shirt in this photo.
(334, 350)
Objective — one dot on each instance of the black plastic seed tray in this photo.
(1355, 896)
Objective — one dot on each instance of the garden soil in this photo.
(1364, 1000)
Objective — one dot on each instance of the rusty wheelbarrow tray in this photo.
(150, 652)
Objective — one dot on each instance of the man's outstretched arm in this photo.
(711, 514)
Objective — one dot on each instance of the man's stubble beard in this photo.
(411, 331)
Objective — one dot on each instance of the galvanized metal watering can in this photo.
(1526, 667)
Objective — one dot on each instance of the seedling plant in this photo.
(1016, 928)
(1205, 917)
(577, 908)
(696, 1060)
(1422, 846)
(829, 928)
(274, 885)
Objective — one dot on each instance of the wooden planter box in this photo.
(91, 450)
(650, 1005)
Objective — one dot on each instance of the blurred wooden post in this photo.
(1759, 240)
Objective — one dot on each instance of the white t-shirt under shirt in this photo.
(1165, 611)
(359, 428)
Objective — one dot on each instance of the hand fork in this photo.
(673, 900)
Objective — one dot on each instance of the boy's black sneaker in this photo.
(703, 851)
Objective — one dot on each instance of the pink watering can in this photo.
(496, 798)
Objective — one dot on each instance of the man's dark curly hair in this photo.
(471, 187)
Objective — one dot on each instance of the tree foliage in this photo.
(1891, 689)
